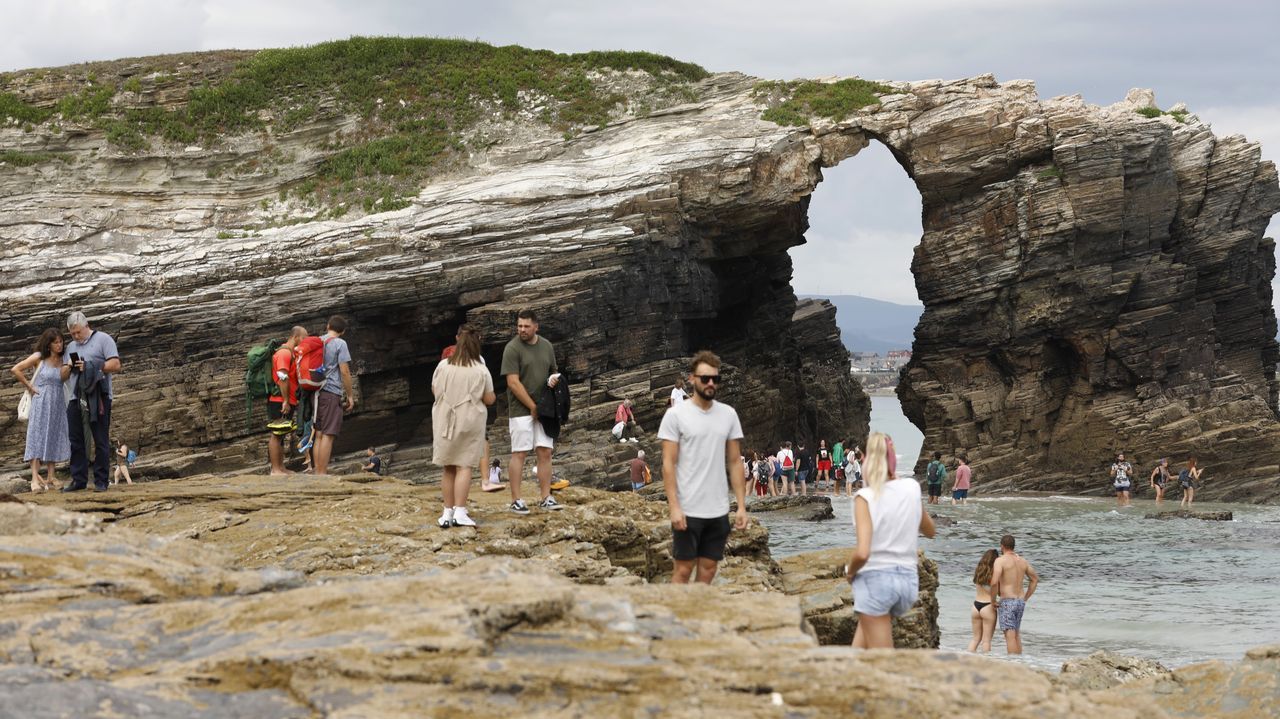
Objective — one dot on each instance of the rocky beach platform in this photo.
(1220, 516)
(339, 597)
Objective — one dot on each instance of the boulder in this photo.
(818, 578)
(808, 508)
(1104, 670)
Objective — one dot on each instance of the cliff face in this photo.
(1093, 279)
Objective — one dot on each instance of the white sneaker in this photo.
(461, 518)
(633, 439)
(622, 441)
(550, 504)
(446, 518)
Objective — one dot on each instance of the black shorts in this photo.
(1123, 489)
(704, 538)
(935, 490)
(273, 410)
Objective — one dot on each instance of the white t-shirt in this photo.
(783, 455)
(895, 524)
(702, 479)
(678, 395)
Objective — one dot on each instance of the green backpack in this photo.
(258, 380)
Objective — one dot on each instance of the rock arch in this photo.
(1090, 276)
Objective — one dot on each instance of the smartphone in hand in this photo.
(75, 357)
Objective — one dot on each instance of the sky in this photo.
(1219, 58)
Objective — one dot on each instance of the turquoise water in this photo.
(1178, 591)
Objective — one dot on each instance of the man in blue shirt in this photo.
(89, 361)
(330, 405)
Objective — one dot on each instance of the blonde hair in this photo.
(876, 470)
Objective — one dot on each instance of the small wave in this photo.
(1062, 498)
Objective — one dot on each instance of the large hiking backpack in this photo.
(311, 370)
(934, 473)
(259, 381)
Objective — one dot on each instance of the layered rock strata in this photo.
(1093, 279)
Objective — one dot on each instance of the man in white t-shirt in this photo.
(700, 458)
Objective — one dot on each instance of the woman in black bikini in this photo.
(983, 615)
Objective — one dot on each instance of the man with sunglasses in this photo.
(701, 441)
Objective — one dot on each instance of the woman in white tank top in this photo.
(888, 519)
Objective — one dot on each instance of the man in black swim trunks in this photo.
(701, 441)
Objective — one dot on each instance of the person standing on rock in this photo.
(1120, 473)
(463, 388)
(824, 468)
(678, 394)
(1188, 478)
(1159, 478)
(787, 461)
(888, 520)
(935, 474)
(837, 464)
(804, 465)
(529, 364)
(89, 362)
(701, 441)
(960, 490)
(330, 405)
(281, 402)
(1007, 577)
(47, 438)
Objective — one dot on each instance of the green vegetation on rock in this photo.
(1179, 115)
(12, 106)
(805, 99)
(18, 158)
(416, 99)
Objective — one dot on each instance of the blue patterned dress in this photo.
(47, 438)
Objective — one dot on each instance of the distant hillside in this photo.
(868, 325)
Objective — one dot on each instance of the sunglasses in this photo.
(708, 378)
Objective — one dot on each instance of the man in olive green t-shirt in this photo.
(529, 365)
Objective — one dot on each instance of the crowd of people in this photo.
(787, 471)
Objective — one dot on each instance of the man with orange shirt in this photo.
(283, 399)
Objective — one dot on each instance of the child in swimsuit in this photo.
(983, 615)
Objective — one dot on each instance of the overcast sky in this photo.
(1219, 58)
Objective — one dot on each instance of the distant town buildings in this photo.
(892, 361)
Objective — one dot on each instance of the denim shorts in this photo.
(892, 590)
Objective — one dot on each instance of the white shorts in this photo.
(527, 434)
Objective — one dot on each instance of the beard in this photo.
(705, 392)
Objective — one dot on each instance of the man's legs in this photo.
(79, 455)
(323, 450)
(682, 571)
(515, 473)
(102, 447)
(275, 453)
(1013, 641)
(544, 470)
(707, 569)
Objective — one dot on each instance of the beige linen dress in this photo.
(458, 416)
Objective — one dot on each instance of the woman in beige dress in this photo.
(463, 387)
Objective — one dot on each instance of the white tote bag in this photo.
(24, 405)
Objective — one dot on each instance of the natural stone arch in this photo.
(1092, 282)
(652, 236)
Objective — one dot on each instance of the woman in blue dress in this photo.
(47, 439)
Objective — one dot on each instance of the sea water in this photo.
(1177, 591)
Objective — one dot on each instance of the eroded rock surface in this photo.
(1222, 516)
(296, 597)
(1093, 279)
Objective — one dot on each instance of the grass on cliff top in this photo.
(1179, 115)
(415, 96)
(806, 99)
